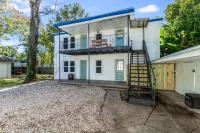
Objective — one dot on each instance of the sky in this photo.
(143, 8)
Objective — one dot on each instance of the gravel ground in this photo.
(52, 107)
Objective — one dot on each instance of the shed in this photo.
(187, 69)
(5, 66)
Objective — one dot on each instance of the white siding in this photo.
(152, 38)
(5, 69)
(108, 66)
(188, 81)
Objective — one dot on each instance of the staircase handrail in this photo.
(150, 68)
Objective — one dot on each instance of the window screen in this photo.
(98, 66)
(72, 66)
(66, 66)
(72, 42)
(65, 43)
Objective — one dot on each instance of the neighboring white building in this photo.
(5, 67)
(187, 69)
(97, 48)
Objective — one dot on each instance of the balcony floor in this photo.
(103, 50)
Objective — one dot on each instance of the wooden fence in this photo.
(164, 74)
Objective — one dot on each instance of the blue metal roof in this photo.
(120, 12)
(156, 19)
(61, 33)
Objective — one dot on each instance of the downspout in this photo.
(88, 54)
(128, 27)
(59, 55)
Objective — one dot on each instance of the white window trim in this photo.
(99, 66)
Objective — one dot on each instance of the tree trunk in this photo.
(33, 41)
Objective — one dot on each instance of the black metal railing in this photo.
(114, 40)
(150, 70)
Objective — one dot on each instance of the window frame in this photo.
(98, 66)
(72, 66)
(72, 43)
(66, 43)
(66, 66)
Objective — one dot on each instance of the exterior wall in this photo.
(152, 38)
(56, 54)
(108, 66)
(5, 69)
(188, 81)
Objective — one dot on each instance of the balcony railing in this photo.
(102, 41)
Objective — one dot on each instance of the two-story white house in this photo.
(103, 47)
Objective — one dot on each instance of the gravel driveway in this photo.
(60, 108)
(52, 107)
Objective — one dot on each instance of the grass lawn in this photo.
(19, 79)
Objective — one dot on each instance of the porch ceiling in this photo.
(114, 23)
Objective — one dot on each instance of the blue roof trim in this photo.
(156, 19)
(120, 12)
(61, 33)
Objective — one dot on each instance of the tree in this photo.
(182, 29)
(8, 51)
(70, 12)
(33, 41)
(67, 12)
(11, 20)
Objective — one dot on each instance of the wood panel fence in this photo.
(164, 74)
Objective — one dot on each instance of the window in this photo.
(98, 36)
(65, 44)
(72, 66)
(66, 66)
(72, 42)
(98, 66)
(120, 65)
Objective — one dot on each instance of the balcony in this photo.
(100, 44)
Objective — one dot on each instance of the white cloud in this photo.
(148, 9)
(21, 5)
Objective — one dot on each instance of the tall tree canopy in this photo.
(12, 20)
(182, 29)
(70, 12)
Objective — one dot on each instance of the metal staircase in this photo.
(141, 80)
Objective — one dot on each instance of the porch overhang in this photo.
(93, 51)
(113, 20)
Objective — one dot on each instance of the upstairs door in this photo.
(83, 69)
(119, 38)
(83, 41)
(119, 70)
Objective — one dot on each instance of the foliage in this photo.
(182, 29)
(8, 51)
(46, 40)
(12, 21)
(70, 12)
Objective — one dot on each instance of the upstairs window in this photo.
(65, 43)
(98, 66)
(72, 42)
(99, 37)
(66, 66)
(72, 66)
